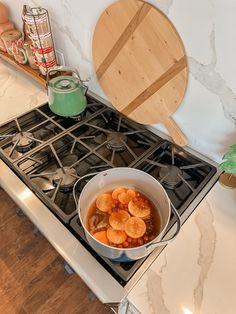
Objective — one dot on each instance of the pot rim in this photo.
(140, 246)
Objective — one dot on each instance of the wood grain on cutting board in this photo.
(140, 62)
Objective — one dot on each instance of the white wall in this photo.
(208, 113)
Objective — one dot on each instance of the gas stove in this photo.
(48, 154)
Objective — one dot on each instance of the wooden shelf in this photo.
(35, 74)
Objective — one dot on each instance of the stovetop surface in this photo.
(50, 153)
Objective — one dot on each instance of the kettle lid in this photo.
(64, 83)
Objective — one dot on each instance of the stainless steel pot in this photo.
(140, 181)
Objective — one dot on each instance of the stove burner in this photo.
(116, 141)
(79, 117)
(23, 141)
(170, 176)
(66, 177)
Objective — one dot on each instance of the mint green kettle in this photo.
(66, 93)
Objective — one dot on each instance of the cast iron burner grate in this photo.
(182, 175)
(26, 133)
(117, 140)
(54, 169)
(35, 128)
(103, 140)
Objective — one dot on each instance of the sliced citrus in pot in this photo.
(135, 227)
(117, 220)
(126, 197)
(139, 209)
(116, 192)
(116, 236)
(104, 202)
(131, 193)
(101, 236)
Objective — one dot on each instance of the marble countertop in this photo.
(18, 93)
(196, 273)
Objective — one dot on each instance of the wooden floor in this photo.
(32, 277)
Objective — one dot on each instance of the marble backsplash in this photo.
(208, 112)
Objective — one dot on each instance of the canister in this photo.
(9, 37)
(3, 28)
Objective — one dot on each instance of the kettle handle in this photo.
(65, 69)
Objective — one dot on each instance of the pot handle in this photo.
(164, 242)
(87, 176)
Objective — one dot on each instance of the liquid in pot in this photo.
(123, 218)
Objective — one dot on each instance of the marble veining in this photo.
(155, 290)
(66, 8)
(213, 81)
(74, 41)
(205, 223)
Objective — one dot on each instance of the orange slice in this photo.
(117, 220)
(125, 198)
(101, 236)
(139, 209)
(131, 193)
(135, 227)
(116, 236)
(104, 202)
(116, 192)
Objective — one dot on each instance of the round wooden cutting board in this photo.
(141, 64)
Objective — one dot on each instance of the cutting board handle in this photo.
(175, 132)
